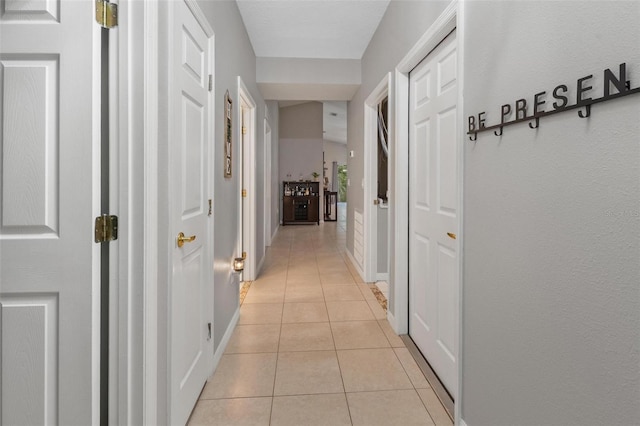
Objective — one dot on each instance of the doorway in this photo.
(433, 211)
(377, 192)
(190, 63)
(247, 177)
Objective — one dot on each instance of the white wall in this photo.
(551, 234)
(401, 27)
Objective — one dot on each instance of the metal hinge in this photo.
(106, 228)
(244, 193)
(210, 82)
(244, 130)
(208, 331)
(106, 14)
(244, 254)
(210, 207)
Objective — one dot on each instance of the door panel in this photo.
(49, 197)
(191, 290)
(433, 195)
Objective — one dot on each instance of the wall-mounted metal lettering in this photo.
(622, 86)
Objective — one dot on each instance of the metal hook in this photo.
(587, 112)
(474, 137)
(496, 132)
(537, 123)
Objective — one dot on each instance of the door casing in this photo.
(398, 315)
(371, 176)
(247, 180)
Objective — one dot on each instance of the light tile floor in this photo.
(313, 347)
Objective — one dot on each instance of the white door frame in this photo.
(138, 372)
(267, 180)
(130, 122)
(247, 177)
(451, 18)
(381, 91)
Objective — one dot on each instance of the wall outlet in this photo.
(351, 154)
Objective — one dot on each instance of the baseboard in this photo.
(259, 267)
(275, 233)
(217, 356)
(462, 423)
(355, 265)
(382, 276)
(391, 319)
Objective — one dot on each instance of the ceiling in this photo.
(334, 121)
(337, 29)
(323, 29)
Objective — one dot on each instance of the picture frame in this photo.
(228, 135)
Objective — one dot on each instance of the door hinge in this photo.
(244, 254)
(106, 228)
(210, 82)
(244, 193)
(209, 331)
(106, 14)
(210, 207)
(244, 130)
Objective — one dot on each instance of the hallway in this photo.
(313, 347)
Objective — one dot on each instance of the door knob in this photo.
(182, 239)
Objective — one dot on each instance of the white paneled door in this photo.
(191, 289)
(49, 197)
(433, 212)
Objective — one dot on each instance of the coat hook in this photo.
(496, 132)
(587, 112)
(536, 125)
(474, 137)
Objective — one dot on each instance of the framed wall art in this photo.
(228, 111)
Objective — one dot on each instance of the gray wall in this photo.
(302, 121)
(401, 27)
(234, 57)
(301, 144)
(551, 313)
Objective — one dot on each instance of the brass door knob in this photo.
(182, 239)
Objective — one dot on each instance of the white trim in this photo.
(450, 19)
(460, 421)
(442, 26)
(275, 232)
(96, 208)
(260, 265)
(225, 339)
(199, 15)
(128, 125)
(267, 181)
(460, 36)
(391, 319)
(150, 226)
(355, 264)
(370, 214)
(247, 231)
(382, 276)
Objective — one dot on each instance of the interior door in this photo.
(191, 290)
(49, 197)
(433, 212)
